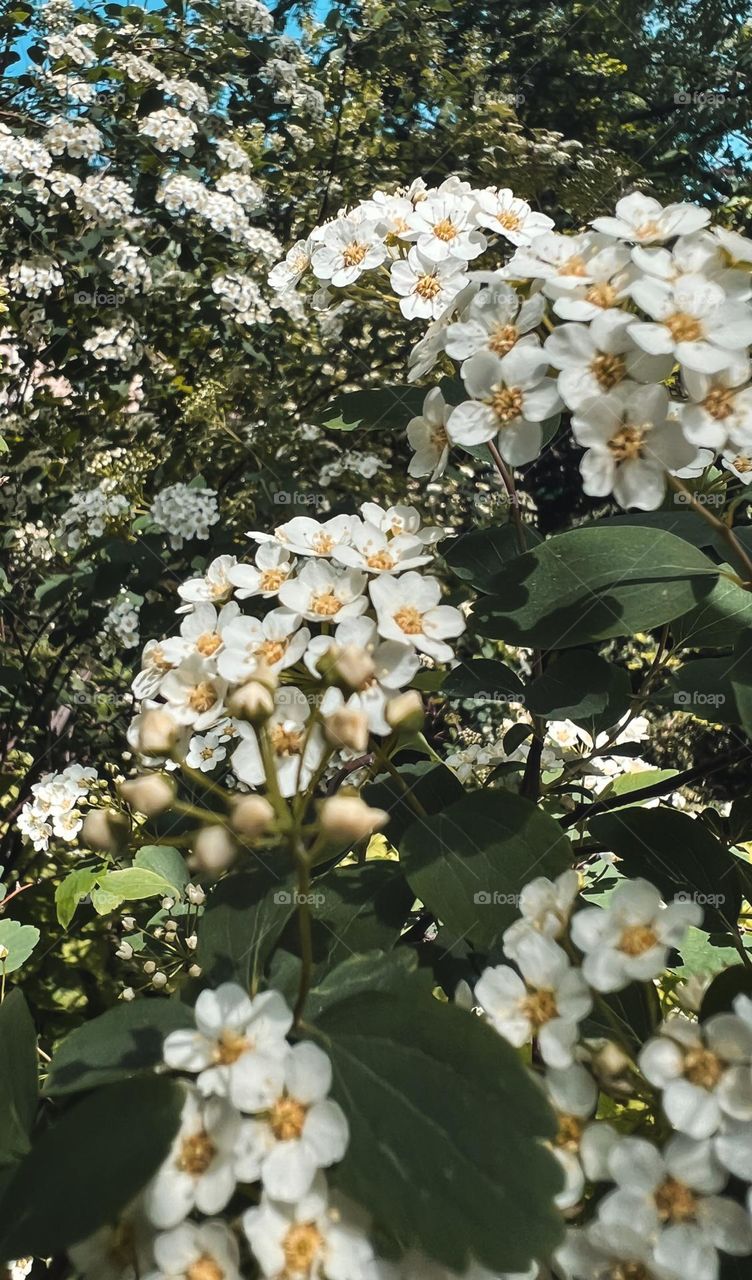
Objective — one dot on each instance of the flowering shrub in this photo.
(425, 992)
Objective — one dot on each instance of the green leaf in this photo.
(104, 902)
(19, 940)
(583, 687)
(432, 786)
(361, 908)
(723, 990)
(677, 854)
(18, 1077)
(71, 890)
(166, 862)
(242, 921)
(469, 863)
(85, 1168)
(478, 558)
(719, 619)
(359, 975)
(483, 680)
(636, 1010)
(445, 1128)
(124, 1040)
(133, 883)
(595, 584)
(387, 408)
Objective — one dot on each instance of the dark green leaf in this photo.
(18, 1077)
(119, 1043)
(583, 687)
(243, 919)
(478, 558)
(431, 786)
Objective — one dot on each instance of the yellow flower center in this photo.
(507, 403)
(325, 603)
(503, 338)
(202, 697)
(743, 463)
(675, 1201)
(627, 444)
(683, 327)
(719, 403)
(409, 619)
(158, 660)
(608, 370)
(540, 1007)
(271, 579)
(196, 1154)
(380, 560)
(204, 1268)
(301, 1244)
(508, 220)
(574, 266)
(637, 939)
(287, 1118)
(322, 544)
(230, 1046)
(703, 1068)
(626, 1271)
(354, 253)
(445, 230)
(273, 650)
(286, 742)
(648, 230)
(569, 1132)
(208, 643)
(601, 295)
(428, 286)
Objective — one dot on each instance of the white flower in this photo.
(445, 226)
(631, 443)
(692, 319)
(371, 550)
(197, 1251)
(307, 1240)
(408, 610)
(296, 753)
(629, 940)
(704, 1072)
(595, 358)
(642, 219)
(347, 247)
(194, 694)
(272, 566)
(509, 216)
(169, 129)
(428, 439)
(321, 593)
(722, 408)
(545, 906)
(581, 1148)
(214, 586)
(511, 397)
(231, 1028)
(304, 536)
(426, 287)
(301, 1130)
(206, 752)
(155, 664)
(394, 666)
(547, 1002)
(276, 640)
(739, 463)
(609, 1253)
(494, 320)
(201, 632)
(297, 260)
(733, 1147)
(569, 265)
(400, 519)
(671, 1198)
(198, 1172)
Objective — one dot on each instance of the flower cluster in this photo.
(185, 512)
(92, 512)
(639, 327)
(660, 1210)
(346, 595)
(54, 813)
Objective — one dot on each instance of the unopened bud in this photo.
(128, 923)
(4, 953)
(159, 979)
(406, 712)
(157, 733)
(150, 967)
(251, 816)
(192, 941)
(124, 951)
(150, 794)
(168, 904)
(214, 850)
(127, 994)
(194, 971)
(349, 669)
(253, 702)
(195, 895)
(104, 829)
(349, 818)
(347, 727)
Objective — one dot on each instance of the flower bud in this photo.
(214, 850)
(104, 829)
(195, 971)
(347, 817)
(124, 951)
(192, 941)
(150, 794)
(253, 702)
(195, 895)
(168, 904)
(405, 712)
(251, 816)
(128, 923)
(127, 994)
(159, 980)
(4, 953)
(347, 727)
(157, 733)
(349, 669)
(150, 967)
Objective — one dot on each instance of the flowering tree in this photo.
(441, 1002)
